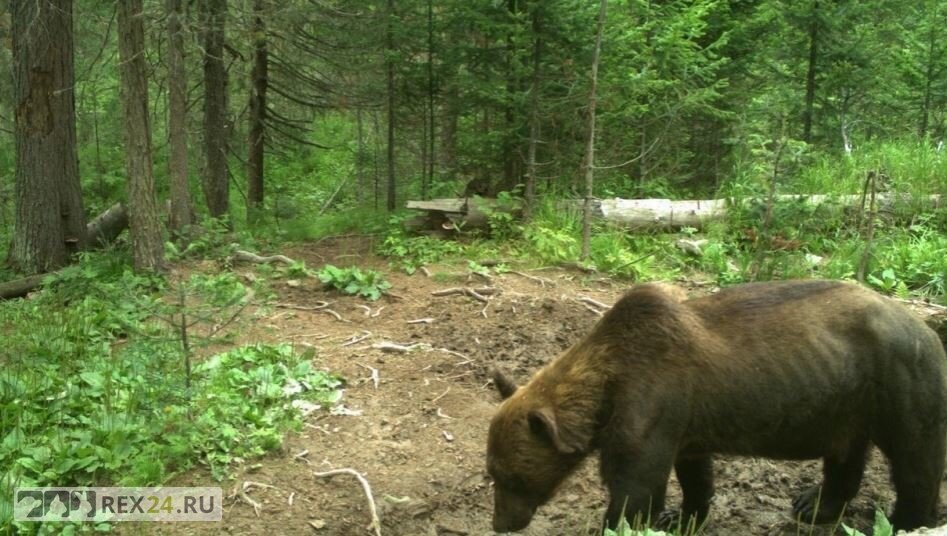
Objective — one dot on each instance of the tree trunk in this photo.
(106, 227)
(530, 193)
(389, 60)
(512, 170)
(928, 81)
(49, 224)
(147, 245)
(811, 72)
(430, 97)
(258, 81)
(448, 154)
(667, 214)
(590, 147)
(360, 157)
(182, 212)
(216, 174)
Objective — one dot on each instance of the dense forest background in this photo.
(293, 108)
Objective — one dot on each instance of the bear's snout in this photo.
(511, 512)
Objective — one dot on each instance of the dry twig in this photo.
(594, 303)
(540, 280)
(240, 255)
(478, 294)
(388, 346)
(421, 321)
(376, 523)
(374, 372)
(355, 339)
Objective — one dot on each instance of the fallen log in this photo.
(664, 213)
(668, 214)
(453, 214)
(106, 227)
(103, 229)
(21, 287)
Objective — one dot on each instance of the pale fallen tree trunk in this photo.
(103, 229)
(667, 213)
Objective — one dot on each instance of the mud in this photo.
(420, 437)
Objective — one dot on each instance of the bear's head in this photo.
(529, 454)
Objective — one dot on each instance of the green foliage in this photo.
(618, 253)
(411, 252)
(305, 226)
(354, 281)
(551, 244)
(882, 527)
(625, 529)
(913, 259)
(503, 217)
(93, 388)
(244, 403)
(211, 239)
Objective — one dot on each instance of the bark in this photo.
(147, 245)
(258, 82)
(531, 167)
(390, 68)
(590, 147)
(216, 182)
(451, 115)
(102, 230)
(511, 159)
(49, 222)
(182, 212)
(106, 227)
(430, 98)
(928, 82)
(360, 157)
(811, 72)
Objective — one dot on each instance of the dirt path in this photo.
(421, 434)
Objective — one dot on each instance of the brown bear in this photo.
(788, 370)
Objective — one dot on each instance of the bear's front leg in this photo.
(637, 482)
(696, 477)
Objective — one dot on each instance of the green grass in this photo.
(912, 166)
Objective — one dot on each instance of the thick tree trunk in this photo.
(182, 211)
(590, 146)
(811, 72)
(147, 245)
(101, 230)
(258, 87)
(390, 68)
(216, 174)
(49, 224)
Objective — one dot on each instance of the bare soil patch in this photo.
(419, 437)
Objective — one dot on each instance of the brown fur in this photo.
(787, 370)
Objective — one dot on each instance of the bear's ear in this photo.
(503, 384)
(542, 422)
